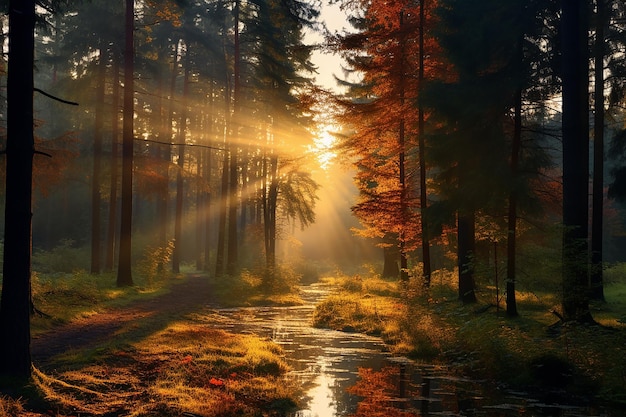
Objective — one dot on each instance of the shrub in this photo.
(152, 265)
(65, 257)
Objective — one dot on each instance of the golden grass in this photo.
(162, 366)
(65, 297)
(185, 367)
(431, 324)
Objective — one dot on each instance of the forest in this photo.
(457, 192)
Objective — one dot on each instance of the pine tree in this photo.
(124, 271)
(15, 308)
(575, 81)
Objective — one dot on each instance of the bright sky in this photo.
(328, 64)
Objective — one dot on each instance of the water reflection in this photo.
(324, 362)
(345, 374)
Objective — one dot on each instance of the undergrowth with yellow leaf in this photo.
(532, 350)
(259, 287)
(166, 366)
(185, 368)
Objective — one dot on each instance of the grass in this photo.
(185, 368)
(158, 365)
(257, 287)
(62, 298)
(524, 352)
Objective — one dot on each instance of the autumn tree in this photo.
(381, 108)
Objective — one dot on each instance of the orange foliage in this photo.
(386, 53)
(165, 11)
(378, 390)
(52, 159)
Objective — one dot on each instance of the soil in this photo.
(101, 328)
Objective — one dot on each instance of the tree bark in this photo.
(182, 133)
(390, 262)
(221, 227)
(404, 265)
(124, 273)
(109, 258)
(15, 360)
(199, 209)
(233, 244)
(96, 198)
(597, 285)
(466, 249)
(426, 264)
(208, 211)
(575, 76)
(161, 151)
(270, 215)
(511, 304)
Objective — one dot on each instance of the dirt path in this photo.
(90, 332)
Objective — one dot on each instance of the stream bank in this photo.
(342, 373)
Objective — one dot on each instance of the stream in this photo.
(325, 363)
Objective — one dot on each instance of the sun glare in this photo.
(323, 147)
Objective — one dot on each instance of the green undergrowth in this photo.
(258, 287)
(60, 298)
(532, 350)
(157, 365)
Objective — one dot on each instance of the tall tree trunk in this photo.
(124, 272)
(404, 266)
(426, 265)
(208, 211)
(511, 304)
(269, 214)
(109, 258)
(182, 134)
(208, 204)
(390, 262)
(166, 154)
(233, 249)
(96, 198)
(466, 250)
(208, 172)
(15, 360)
(200, 219)
(221, 227)
(220, 255)
(160, 121)
(597, 286)
(575, 76)
(178, 216)
(245, 201)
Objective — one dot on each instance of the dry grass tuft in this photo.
(186, 367)
(431, 324)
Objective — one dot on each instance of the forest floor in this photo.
(573, 363)
(152, 357)
(93, 330)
